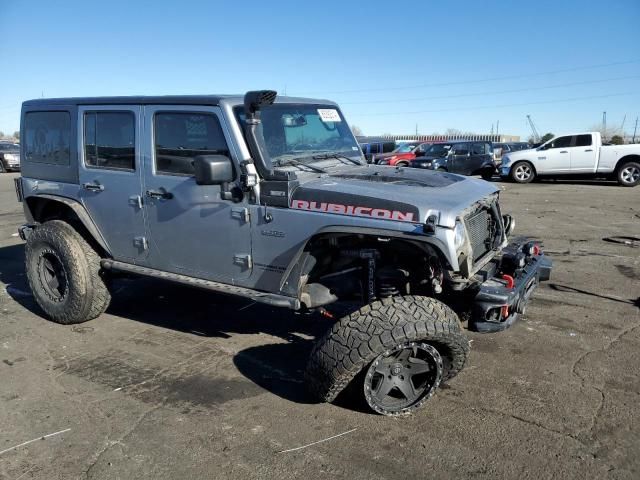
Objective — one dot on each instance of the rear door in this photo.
(192, 229)
(460, 159)
(480, 153)
(110, 146)
(583, 154)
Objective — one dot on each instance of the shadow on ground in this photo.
(275, 366)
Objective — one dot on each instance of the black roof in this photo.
(133, 100)
(159, 100)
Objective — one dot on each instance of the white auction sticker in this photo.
(329, 115)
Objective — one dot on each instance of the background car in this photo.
(502, 148)
(466, 158)
(9, 156)
(403, 154)
(373, 146)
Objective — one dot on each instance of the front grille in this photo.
(480, 230)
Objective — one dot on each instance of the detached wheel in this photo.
(64, 274)
(523, 172)
(629, 174)
(393, 353)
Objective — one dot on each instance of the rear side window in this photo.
(180, 137)
(47, 136)
(479, 149)
(375, 148)
(109, 140)
(583, 140)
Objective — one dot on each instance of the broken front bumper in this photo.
(507, 284)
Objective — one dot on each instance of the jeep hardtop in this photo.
(270, 198)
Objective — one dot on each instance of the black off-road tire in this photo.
(358, 339)
(85, 293)
(628, 174)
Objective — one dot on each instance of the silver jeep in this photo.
(270, 198)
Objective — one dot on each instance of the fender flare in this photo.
(80, 212)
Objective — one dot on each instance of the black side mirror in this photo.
(213, 169)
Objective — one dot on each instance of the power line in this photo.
(495, 92)
(565, 100)
(466, 82)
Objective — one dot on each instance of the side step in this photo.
(261, 297)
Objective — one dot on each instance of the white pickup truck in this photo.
(579, 154)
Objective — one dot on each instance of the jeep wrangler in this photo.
(269, 198)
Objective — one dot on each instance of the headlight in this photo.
(459, 235)
(10, 156)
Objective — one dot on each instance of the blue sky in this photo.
(390, 65)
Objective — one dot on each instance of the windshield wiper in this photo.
(298, 163)
(338, 156)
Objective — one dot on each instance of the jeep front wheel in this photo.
(394, 353)
(64, 274)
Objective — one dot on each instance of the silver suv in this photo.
(269, 198)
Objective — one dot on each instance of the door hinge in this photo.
(141, 243)
(136, 201)
(241, 213)
(243, 259)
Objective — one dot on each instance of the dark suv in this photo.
(466, 158)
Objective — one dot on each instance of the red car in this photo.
(403, 154)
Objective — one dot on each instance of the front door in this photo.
(110, 146)
(480, 154)
(556, 157)
(192, 229)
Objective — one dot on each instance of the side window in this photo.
(478, 148)
(583, 140)
(182, 136)
(375, 148)
(461, 149)
(560, 142)
(47, 136)
(109, 140)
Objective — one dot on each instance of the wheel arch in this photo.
(302, 263)
(40, 208)
(633, 157)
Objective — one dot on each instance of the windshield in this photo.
(439, 150)
(302, 131)
(9, 146)
(405, 148)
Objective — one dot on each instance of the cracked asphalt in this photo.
(179, 383)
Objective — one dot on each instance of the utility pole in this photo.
(604, 125)
(498, 129)
(492, 129)
(633, 140)
(416, 129)
(624, 119)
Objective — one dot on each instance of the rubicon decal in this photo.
(359, 211)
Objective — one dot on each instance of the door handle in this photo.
(93, 187)
(589, 150)
(564, 151)
(159, 194)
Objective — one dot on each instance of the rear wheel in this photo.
(629, 174)
(394, 353)
(523, 172)
(2, 169)
(64, 274)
